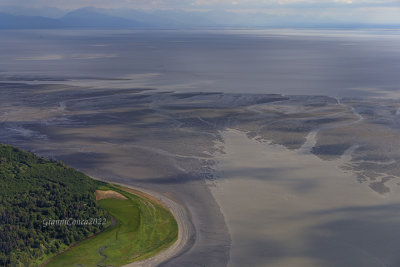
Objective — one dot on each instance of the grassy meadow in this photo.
(142, 228)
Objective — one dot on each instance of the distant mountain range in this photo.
(52, 18)
(30, 18)
(81, 18)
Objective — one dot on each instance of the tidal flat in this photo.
(281, 145)
(267, 179)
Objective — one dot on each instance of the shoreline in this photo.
(186, 231)
(180, 213)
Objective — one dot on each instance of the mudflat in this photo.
(308, 148)
(264, 178)
(288, 208)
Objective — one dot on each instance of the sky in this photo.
(361, 11)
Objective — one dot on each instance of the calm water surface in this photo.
(336, 63)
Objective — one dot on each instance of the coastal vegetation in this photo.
(142, 228)
(34, 191)
(48, 211)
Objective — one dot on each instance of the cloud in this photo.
(344, 1)
(74, 4)
(172, 4)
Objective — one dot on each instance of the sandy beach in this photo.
(185, 229)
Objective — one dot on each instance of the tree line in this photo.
(33, 190)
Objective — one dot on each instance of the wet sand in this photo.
(282, 196)
(112, 112)
(124, 137)
(290, 208)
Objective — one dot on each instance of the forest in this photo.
(35, 190)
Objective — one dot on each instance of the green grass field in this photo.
(142, 229)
